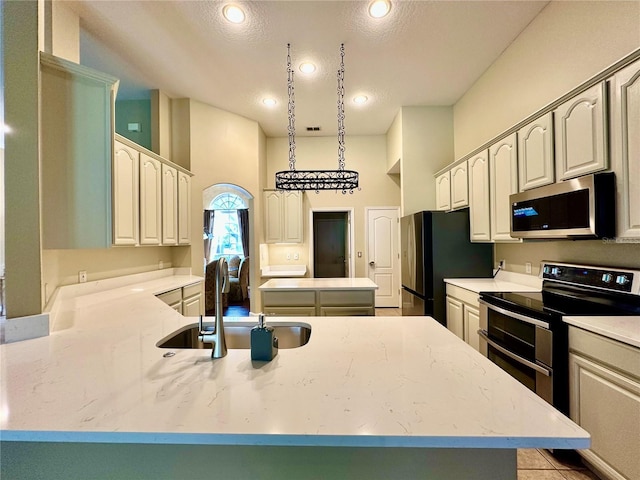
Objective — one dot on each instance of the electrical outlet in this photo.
(502, 264)
(160, 265)
(296, 256)
(82, 276)
(288, 256)
(527, 267)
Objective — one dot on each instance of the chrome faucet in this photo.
(217, 337)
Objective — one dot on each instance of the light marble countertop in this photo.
(284, 271)
(360, 381)
(318, 284)
(503, 282)
(625, 329)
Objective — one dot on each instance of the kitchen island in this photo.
(377, 397)
(318, 296)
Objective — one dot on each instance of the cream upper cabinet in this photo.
(459, 186)
(479, 216)
(76, 150)
(581, 134)
(625, 148)
(443, 191)
(150, 200)
(126, 194)
(184, 209)
(535, 153)
(292, 228)
(283, 217)
(503, 175)
(169, 205)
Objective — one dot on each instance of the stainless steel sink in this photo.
(238, 335)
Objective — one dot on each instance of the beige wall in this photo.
(225, 148)
(365, 154)
(427, 146)
(565, 45)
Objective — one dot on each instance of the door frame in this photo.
(350, 240)
(397, 271)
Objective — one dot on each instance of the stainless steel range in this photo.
(525, 335)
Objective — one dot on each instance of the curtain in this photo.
(208, 234)
(243, 223)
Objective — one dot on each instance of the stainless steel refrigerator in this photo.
(435, 246)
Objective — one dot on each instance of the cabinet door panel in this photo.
(503, 164)
(607, 405)
(455, 317)
(459, 186)
(625, 91)
(273, 217)
(471, 326)
(581, 134)
(292, 228)
(169, 205)
(150, 200)
(192, 307)
(184, 209)
(535, 153)
(443, 191)
(478, 168)
(126, 191)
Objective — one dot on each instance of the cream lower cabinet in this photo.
(503, 181)
(581, 134)
(625, 148)
(319, 302)
(463, 314)
(479, 200)
(186, 300)
(604, 395)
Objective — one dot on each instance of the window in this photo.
(226, 240)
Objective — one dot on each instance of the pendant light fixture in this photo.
(340, 179)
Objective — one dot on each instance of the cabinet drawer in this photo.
(191, 290)
(618, 355)
(290, 311)
(171, 297)
(346, 297)
(346, 311)
(289, 298)
(467, 296)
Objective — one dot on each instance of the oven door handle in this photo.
(517, 316)
(513, 356)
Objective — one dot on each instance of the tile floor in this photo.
(539, 464)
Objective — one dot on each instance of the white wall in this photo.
(365, 154)
(566, 44)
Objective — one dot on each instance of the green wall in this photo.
(134, 111)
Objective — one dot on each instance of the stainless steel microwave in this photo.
(583, 207)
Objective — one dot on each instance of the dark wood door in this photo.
(329, 244)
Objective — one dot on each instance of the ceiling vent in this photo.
(313, 129)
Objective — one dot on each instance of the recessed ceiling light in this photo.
(269, 102)
(360, 99)
(307, 67)
(233, 13)
(379, 8)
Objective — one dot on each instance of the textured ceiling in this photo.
(422, 53)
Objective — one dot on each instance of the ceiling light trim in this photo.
(233, 13)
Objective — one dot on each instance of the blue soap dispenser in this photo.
(264, 343)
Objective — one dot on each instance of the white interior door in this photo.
(383, 257)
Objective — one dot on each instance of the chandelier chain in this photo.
(341, 147)
(291, 110)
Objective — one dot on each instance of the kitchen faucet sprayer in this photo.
(217, 337)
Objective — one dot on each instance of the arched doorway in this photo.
(228, 233)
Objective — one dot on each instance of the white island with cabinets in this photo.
(375, 397)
